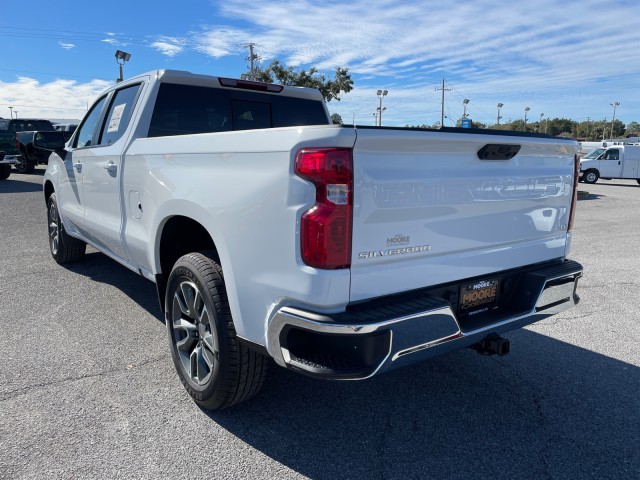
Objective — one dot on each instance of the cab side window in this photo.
(613, 155)
(119, 114)
(84, 138)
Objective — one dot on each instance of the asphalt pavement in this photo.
(88, 389)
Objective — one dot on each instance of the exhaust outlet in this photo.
(492, 345)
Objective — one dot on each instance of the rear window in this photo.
(186, 109)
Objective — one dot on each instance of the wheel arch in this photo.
(177, 236)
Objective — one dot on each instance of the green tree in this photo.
(633, 129)
(331, 89)
(336, 118)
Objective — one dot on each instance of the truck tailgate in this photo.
(428, 210)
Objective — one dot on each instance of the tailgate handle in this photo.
(497, 151)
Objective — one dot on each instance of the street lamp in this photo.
(500, 105)
(16, 114)
(121, 57)
(614, 105)
(11, 111)
(526, 110)
(540, 124)
(465, 102)
(381, 94)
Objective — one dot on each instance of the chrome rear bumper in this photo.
(388, 333)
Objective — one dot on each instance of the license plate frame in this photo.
(479, 296)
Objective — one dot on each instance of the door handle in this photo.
(78, 167)
(110, 167)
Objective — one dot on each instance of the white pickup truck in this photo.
(340, 252)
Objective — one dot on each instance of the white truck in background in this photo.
(340, 252)
(617, 161)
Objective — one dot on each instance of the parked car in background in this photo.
(66, 128)
(8, 152)
(24, 130)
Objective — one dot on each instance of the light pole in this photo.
(465, 102)
(16, 114)
(500, 105)
(614, 105)
(540, 124)
(121, 57)
(11, 111)
(526, 110)
(381, 94)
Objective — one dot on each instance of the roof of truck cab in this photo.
(189, 78)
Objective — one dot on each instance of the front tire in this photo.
(214, 367)
(590, 176)
(64, 248)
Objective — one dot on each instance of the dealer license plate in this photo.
(478, 297)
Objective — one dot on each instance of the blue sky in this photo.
(568, 58)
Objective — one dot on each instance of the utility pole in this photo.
(614, 105)
(252, 57)
(381, 94)
(442, 113)
(500, 105)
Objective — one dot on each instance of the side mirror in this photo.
(52, 141)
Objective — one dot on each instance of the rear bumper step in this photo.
(384, 334)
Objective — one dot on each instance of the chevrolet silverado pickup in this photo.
(340, 252)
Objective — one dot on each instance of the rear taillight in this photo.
(325, 230)
(574, 200)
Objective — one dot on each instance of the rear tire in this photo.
(25, 165)
(590, 176)
(215, 368)
(5, 171)
(64, 248)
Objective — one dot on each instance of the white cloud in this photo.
(56, 99)
(67, 46)
(169, 46)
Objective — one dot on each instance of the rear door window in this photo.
(119, 114)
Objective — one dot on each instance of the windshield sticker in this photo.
(116, 116)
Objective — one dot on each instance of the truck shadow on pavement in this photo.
(590, 196)
(17, 185)
(548, 410)
(100, 268)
